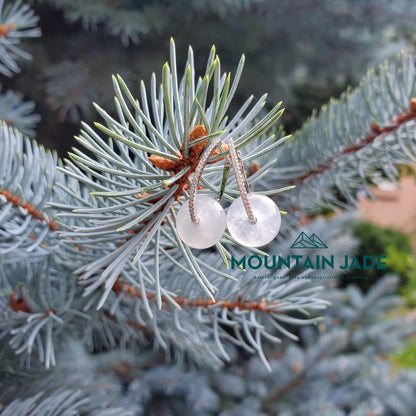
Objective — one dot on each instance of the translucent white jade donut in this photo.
(211, 225)
(267, 224)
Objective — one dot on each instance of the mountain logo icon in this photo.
(303, 241)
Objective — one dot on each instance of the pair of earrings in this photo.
(253, 220)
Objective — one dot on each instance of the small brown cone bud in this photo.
(53, 226)
(412, 105)
(297, 366)
(4, 29)
(252, 169)
(164, 164)
(375, 128)
(118, 285)
(196, 133)
(18, 303)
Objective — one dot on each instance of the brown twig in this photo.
(31, 210)
(376, 131)
(261, 306)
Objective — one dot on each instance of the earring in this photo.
(253, 220)
(201, 220)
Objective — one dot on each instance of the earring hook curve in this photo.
(241, 178)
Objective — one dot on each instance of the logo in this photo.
(315, 260)
(303, 241)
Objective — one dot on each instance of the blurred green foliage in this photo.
(407, 357)
(404, 264)
(374, 240)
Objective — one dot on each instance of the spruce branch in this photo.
(27, 175)
(36, 313)
(111, 269)
(71, 85)
(66, 402)
(141, 174)
(334, 354)
(18, 114)
(270, 308)
(336, 378)
(115, 226)
(17, 21)
(355, 141)
(98, 231)
(132, 22)
(121, 19)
